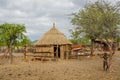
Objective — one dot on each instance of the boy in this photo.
(105, 62)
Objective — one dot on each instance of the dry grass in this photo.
(82, 69)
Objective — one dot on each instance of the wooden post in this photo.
(25, 53)
(92, 48)
(67, 52)
(62, 52)
(66, 55)
(57, 53)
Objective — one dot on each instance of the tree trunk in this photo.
(110, 57)
(10, 52)
(92, 48)
(25, 53)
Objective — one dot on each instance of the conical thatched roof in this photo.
(54, 37)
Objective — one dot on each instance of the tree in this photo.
(79, 38)
(100, 20)
(75, 37)
(12, 35)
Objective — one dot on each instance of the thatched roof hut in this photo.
(53, 42)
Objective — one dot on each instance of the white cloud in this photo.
(39, 15)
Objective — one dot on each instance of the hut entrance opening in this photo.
(56, 51)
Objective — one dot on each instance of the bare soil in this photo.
(85, 68)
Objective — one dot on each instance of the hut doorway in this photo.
(56, 51)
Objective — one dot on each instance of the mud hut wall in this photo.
(52, 50)
(67, 48)
(62, 50)
(42, 49)
(68, 51)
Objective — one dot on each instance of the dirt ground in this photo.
(85, 68)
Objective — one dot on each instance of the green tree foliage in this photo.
(13, 35)
(14, 32)
(100, 20)
(77, 37)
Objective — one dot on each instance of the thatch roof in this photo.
(102, 41)
(76, 47)
(52, 37)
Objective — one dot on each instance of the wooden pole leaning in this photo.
(25, 53)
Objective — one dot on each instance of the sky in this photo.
(39, 15)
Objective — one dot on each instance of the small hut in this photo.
(103, 43)
(76, 49)
(53, 43)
